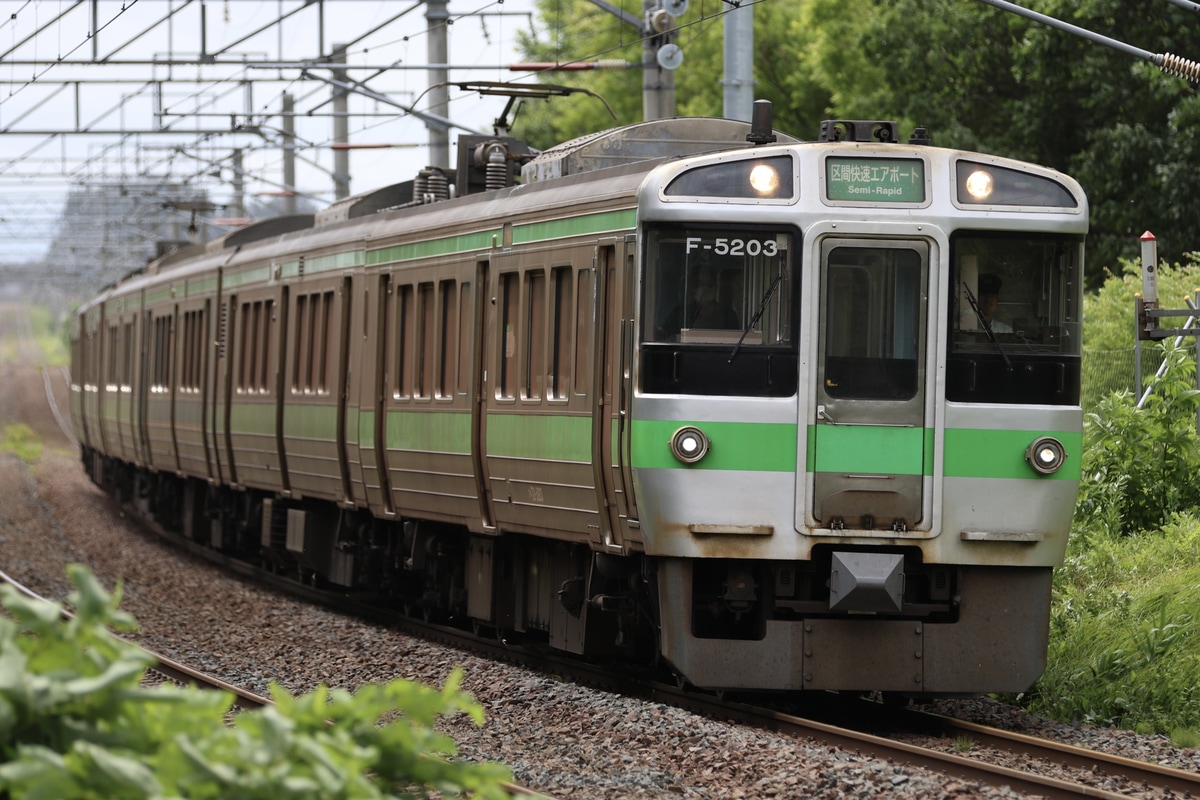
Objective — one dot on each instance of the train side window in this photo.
(300, 343)
(448, 340)
(560, 343)
(425, 341)
(404, 341)
(466, 317)
(127, 365)
(185, 367)
(110, 377)
(160, 383)
(584, 330)
(327, 329)
(265, 346)
(535, 334)
(243, 355)
(509, 317)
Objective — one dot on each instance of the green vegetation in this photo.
(22, 441)
(75, 723)
(1123, 646)
(976, 76)
(52, 334)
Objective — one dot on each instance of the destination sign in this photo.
(875, 180)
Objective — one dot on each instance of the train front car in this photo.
(856, 423)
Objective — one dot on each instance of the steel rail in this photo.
(855, 737)
(1146, 773)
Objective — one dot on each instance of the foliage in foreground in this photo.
(1123, 646)
(75, 722)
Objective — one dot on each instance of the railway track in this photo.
(1085, 769)
(1052, 769)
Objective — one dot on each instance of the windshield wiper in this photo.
(987, 326)
(762, 306)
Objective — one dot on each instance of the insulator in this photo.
(1181, 67)
(421, 186)
(497, 169)
(439, 185)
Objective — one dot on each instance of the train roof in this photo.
(644, 141)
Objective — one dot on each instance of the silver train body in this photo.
(784, 416)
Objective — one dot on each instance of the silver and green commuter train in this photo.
(779, 415)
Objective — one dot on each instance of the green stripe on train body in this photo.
(979, 453)
(448, 245)
(741, 446)
(557, 437)
(870, 449)
(771, 447)
(604, 222)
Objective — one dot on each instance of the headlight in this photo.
(689, 444)
(764, 180)
(979, 185)
(1046, 455)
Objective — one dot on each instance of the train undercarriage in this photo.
(861, 619)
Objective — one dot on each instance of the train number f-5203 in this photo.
(723, 246)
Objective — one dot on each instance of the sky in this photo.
(43, 90)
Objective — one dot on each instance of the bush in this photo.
(1139, 464)
(75, 722)
(1123, 646)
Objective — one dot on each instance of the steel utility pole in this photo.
(739, 63)
(437, 18)
(341, 128)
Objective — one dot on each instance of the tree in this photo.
(1003, 84)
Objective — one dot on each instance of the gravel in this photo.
(561, 739)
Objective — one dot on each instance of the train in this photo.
(774, 415)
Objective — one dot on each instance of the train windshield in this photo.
(1014, 318)
(719, 311)
(709, 285)
(1022, 290)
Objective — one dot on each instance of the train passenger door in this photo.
(614, 331)
(479, 388)
(869, 452)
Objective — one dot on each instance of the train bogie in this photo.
(790, 416)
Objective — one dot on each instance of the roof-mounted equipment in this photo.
(858, 130)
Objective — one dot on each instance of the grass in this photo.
(50, 332)
(21, 440)
(1124, 649)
